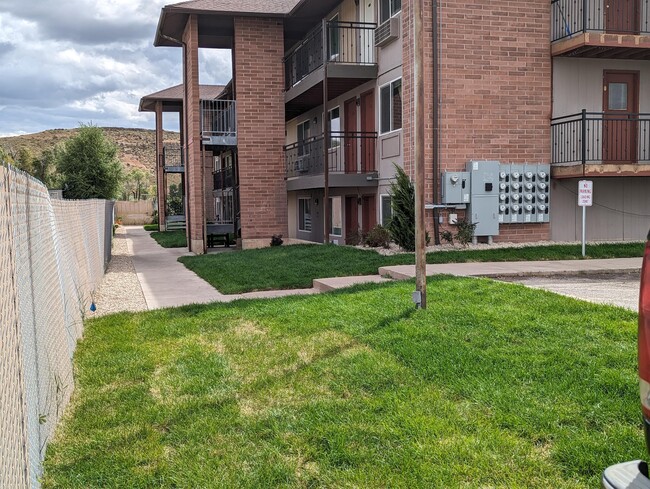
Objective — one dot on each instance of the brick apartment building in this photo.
(320, 109)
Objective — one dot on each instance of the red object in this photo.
(644, 333)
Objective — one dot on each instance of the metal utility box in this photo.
(484, 197)
(524, 193)
(455, 188)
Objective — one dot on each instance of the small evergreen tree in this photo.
(89, 166)
(402, 223)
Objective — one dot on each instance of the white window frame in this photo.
(390, 107)
(300, 217)
(381, 207)
(390, 8)
(303, 149)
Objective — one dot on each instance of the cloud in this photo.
(77, 61)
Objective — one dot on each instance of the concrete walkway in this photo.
(518, 268)
(167, 283)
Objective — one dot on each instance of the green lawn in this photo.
(495, 385)
(170, 239)
(291, 267)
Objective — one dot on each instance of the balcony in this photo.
(601, 28)
(348, 48)
(600, 144)
(223, 179)
(351, 161)
(219, 122)
(173, 161)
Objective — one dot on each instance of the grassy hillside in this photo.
(136, 146)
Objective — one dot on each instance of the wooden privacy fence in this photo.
(134, 212)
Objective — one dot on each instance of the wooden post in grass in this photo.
(420, 231)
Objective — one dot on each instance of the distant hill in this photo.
(136, 146)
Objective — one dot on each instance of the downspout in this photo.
(435, 29)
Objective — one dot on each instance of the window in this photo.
(304, 214)
(304, 133)
(390, 106)
(336, 216)
(386, 210)
(388, 8)
(335, 127)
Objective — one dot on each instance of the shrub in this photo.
(465, 231)
(276, 240)
(402, 223)
(447, 236)
(354, 238)
(378, 236)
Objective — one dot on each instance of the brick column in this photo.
(259, 81)
(160, 171)
(193, 165)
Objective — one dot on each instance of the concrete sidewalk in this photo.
(166, 282)
(517, 268)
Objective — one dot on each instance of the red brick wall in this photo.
(193, 166)
(259, 81)
(495, 88)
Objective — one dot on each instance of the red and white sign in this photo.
(585, 193)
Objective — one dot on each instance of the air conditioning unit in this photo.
(302, 164)
(387, 32)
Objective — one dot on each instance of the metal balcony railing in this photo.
(570, 17)
(173, 156)
(600, 138)
(348, 152)
(345, 42)
(219, 121)
(223, 179)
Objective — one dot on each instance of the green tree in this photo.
(89, 166)
(402, 223)
(25, 160)
(175, 200)
(135, 185)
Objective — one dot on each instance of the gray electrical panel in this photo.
(484, 197)
(524, 193)
(455, 188)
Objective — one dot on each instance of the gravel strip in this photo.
(120, 289)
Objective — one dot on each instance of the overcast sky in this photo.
(66, 62)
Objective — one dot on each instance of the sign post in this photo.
(585, 199)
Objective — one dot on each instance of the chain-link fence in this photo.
(53, 254)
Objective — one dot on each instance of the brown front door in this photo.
(620, 108)
(351, 220)
(350, 141)
(368, 213)
(367, 128)
(622, 16)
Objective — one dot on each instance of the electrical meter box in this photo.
(484, 197)
(455, 188)
(524, 193)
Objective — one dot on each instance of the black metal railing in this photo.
(219, 118)
(173, 156)
(348, 152)
(344, 42)
(570, 17)
(223, 178)
(596, 137)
